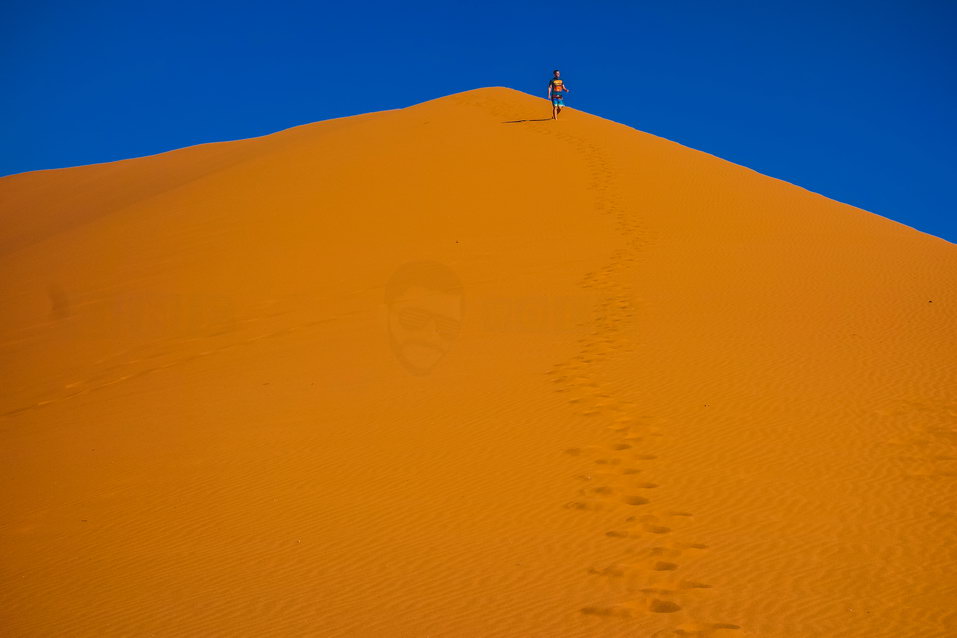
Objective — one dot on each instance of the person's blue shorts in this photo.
(558, 100)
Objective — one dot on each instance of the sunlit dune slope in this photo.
(460, 370)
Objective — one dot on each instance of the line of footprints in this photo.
(651, 573)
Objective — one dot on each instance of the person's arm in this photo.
(565, 86)
(548, 95)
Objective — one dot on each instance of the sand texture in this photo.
(459, 370)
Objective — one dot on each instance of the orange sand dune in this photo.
(453, 370)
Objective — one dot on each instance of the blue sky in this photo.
(854, 100)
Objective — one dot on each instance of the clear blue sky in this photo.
(854, 100)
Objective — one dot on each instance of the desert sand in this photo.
(458, 370)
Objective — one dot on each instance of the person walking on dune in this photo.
(556, 89)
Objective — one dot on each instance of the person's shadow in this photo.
(544, 119)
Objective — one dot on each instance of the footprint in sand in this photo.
(649, 600)
(652, 523)
(669, 550)
(608, 461)
(597, 490)
(660, 606)
(660, 559)
(591, 505)
(701, 630)
(668, 599)
(634, 570)
(614, 611)
(622, 533)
